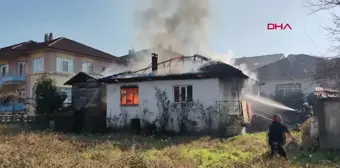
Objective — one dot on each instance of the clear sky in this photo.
(237, 26)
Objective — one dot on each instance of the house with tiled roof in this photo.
(293, 73)
(22, 64)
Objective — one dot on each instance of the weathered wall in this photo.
(330, 124)
(85, 94)
(207, 94)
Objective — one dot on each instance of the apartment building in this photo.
(22, 64)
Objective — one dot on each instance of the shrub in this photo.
(48, 97)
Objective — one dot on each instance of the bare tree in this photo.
(330, 6)
(328, 68)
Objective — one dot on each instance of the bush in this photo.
(48, 97)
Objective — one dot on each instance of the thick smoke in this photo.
(181, 25)
(177, 25)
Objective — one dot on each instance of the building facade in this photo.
(22, 64)
(199, 101)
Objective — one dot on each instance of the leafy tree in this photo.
(48, 97)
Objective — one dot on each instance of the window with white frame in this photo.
(4, 69)
(21, 68)
(87, 67)
(68, 92)
(65, 65)
(288, 88)
(38, 65)
(183, 93)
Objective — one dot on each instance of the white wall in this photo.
(206, 91)
(307, 85)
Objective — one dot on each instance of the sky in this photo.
(235, 27)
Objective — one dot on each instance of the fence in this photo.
(13, 119)
(230, 107)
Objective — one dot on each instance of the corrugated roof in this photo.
(323, 89)
(323, 92)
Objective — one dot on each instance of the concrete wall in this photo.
(269, 88)
(206, 93)
(330, 124)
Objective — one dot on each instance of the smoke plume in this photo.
(181, 25)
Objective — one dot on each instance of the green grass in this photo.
(126, 150)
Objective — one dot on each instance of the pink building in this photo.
(22, 64)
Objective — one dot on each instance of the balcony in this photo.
(16, 107)
(12, 79)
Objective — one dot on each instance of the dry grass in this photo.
(18, 149)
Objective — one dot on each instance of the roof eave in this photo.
(72, 80)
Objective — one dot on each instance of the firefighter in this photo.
(276, 137)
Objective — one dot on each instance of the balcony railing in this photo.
(12, 79)
(12, 107)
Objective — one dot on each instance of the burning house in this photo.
(206, 97)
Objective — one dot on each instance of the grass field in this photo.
(125, 150)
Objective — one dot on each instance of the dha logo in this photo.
(275, 26)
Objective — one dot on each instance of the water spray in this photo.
(268, 102)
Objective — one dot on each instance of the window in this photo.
(183, 94)
(68, 92)
(38, 65)
(4, 69)
(90, 68)
(21, 92)
(129, 95)
(64, 65)
(288, 88)
(21, 68)
(87, 67)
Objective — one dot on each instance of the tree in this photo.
(48, 97)
(327, 68)
(329, 5)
